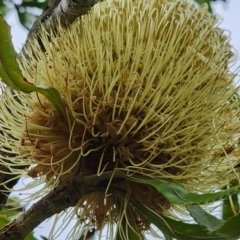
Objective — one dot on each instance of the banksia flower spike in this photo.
(148, 93)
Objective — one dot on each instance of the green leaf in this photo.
(231, 227)
(43, 238)
(54, 97)
(26, 18)
(176, 193)
(35, 3)
(230, 204)
(230, 207)
(12, 76)
(202, 217)
(3, 220)
(30, 237)
(4, 9)
(167, 237)
(171, 227)
(127, 233)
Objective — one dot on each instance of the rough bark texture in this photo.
(60, 198)
(64, 10)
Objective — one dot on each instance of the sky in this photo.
(228, 12)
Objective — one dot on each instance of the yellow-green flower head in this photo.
(147, 91)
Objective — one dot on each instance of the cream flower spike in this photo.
(148, 91)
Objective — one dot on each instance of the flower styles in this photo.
(147, 91)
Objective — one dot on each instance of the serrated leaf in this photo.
(167, 237)
(230, 205)
(12, 76)
(171, 227)
(231, 227)
(176, 193)
(202, 217)
(128, 234)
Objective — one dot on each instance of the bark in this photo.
(60, 198)
(56, 201)
(64, 10)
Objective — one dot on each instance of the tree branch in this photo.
(60, 198)
(66, 11)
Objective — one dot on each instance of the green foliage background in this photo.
(28, 10)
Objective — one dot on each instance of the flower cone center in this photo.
(99, 161)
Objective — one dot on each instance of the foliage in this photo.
(28, 10)
(208, 227)
(12, 76)
(208, 2)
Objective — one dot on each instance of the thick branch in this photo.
(65, 196)
(66, 11)
(60, 198)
